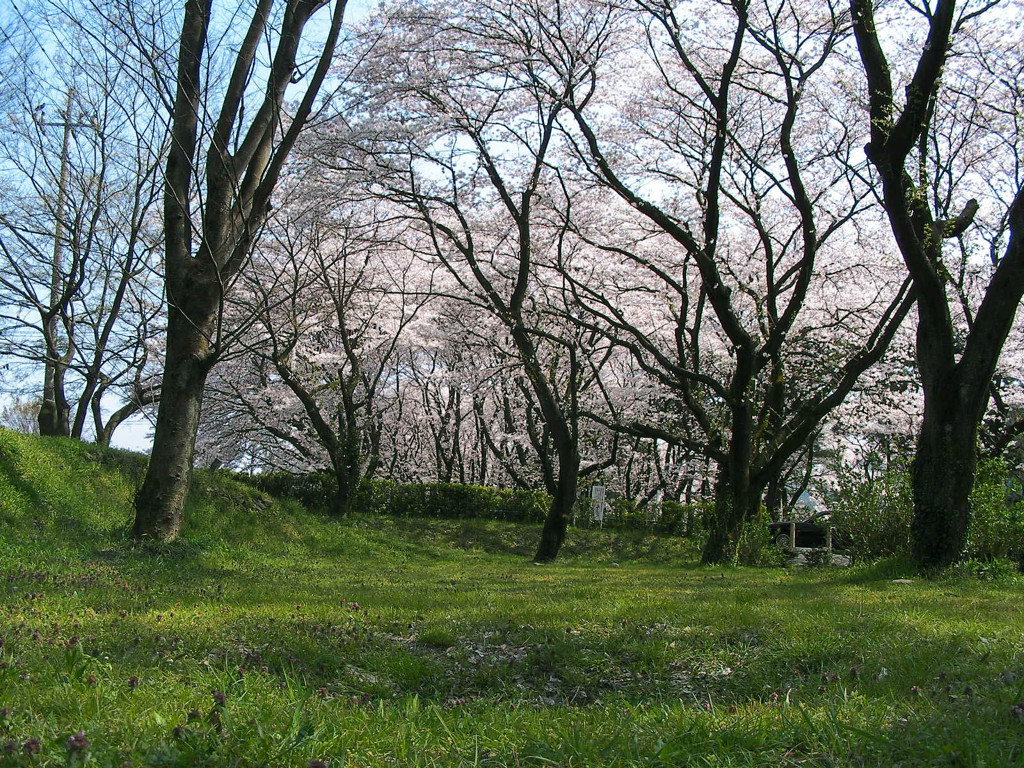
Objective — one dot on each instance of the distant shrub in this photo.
(627, 514)
(451, 500)
(314, 490)
(676, 518)
(691, 520)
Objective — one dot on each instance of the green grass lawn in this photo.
(272, 636)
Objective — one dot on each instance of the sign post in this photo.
(597, 505)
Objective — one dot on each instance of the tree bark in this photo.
(241, 171)
(160, 502)
(735, 500)
(942, 476)
(348, 469)
(55, 411)
(552, 535)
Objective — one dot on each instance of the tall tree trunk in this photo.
(733, 490)
(160, 502)
(956, 391)
(942, 477)
(241, 169)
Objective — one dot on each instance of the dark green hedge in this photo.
(383, 497)
(452, 500)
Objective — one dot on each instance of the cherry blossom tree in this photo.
(945, 147)
(333, 298)
(754, 234)
(463, 133)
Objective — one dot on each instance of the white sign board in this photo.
(597, 503)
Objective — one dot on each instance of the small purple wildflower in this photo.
(32, 746)
(219, 699)
(133, 682)
(316, 764)
(77, 743)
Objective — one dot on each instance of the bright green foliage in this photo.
(875, 513)
(756, 545)
(997, 524)
(273, 637)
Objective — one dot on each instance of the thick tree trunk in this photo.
(160, 502)
(729, 514)
(942, 476)
(347, 471)
(552, 535)
(563, 499)
(733, 491)
(735, 501)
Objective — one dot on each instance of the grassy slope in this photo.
(381, 642)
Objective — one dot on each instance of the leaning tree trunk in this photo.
(160, 502)
(942, 476)
(552, 535)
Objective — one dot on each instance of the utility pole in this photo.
(54, 413)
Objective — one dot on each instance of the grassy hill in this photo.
(273, 636)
